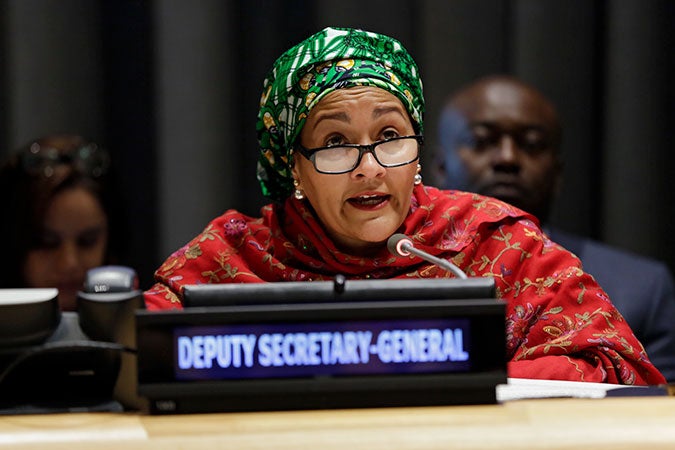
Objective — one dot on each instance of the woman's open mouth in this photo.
(369, 201)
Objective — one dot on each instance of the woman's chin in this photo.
(366, 245)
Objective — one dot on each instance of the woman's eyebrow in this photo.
(341, 116)
(378, 112)
(344, 117)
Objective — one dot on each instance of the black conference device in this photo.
(107, 302)
(58, 361)
(27, 316)
(47, 364)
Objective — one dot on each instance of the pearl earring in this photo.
(418, 177)
(298, 194)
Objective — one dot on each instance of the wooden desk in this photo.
(609, 423)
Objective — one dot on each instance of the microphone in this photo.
(401, 245)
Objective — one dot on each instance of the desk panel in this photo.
(609, 423)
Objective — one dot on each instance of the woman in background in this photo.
(340, 132)
(57, 215)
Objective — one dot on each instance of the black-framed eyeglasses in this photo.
(88, 159)
(336, 159)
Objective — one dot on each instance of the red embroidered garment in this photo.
(560, 323)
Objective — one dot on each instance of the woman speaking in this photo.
(340, 131)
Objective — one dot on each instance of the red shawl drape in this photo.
(560, 323)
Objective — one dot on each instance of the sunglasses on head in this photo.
(88, 159)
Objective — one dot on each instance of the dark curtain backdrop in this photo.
(171, 88)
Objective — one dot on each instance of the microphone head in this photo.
(397, 244)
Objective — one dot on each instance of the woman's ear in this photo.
(295, 172)
(298, 192)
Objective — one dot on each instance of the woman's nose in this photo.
(369, 167)
(67, 256)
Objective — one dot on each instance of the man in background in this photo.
(501, 137)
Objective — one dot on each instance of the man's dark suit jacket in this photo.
(642, 289)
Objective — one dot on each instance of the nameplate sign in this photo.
(321, 355)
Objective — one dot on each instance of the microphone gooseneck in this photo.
(401, 245)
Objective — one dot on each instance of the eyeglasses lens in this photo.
(396, 152)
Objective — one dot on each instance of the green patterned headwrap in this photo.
(333, 58)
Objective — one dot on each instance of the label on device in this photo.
(292, 350)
